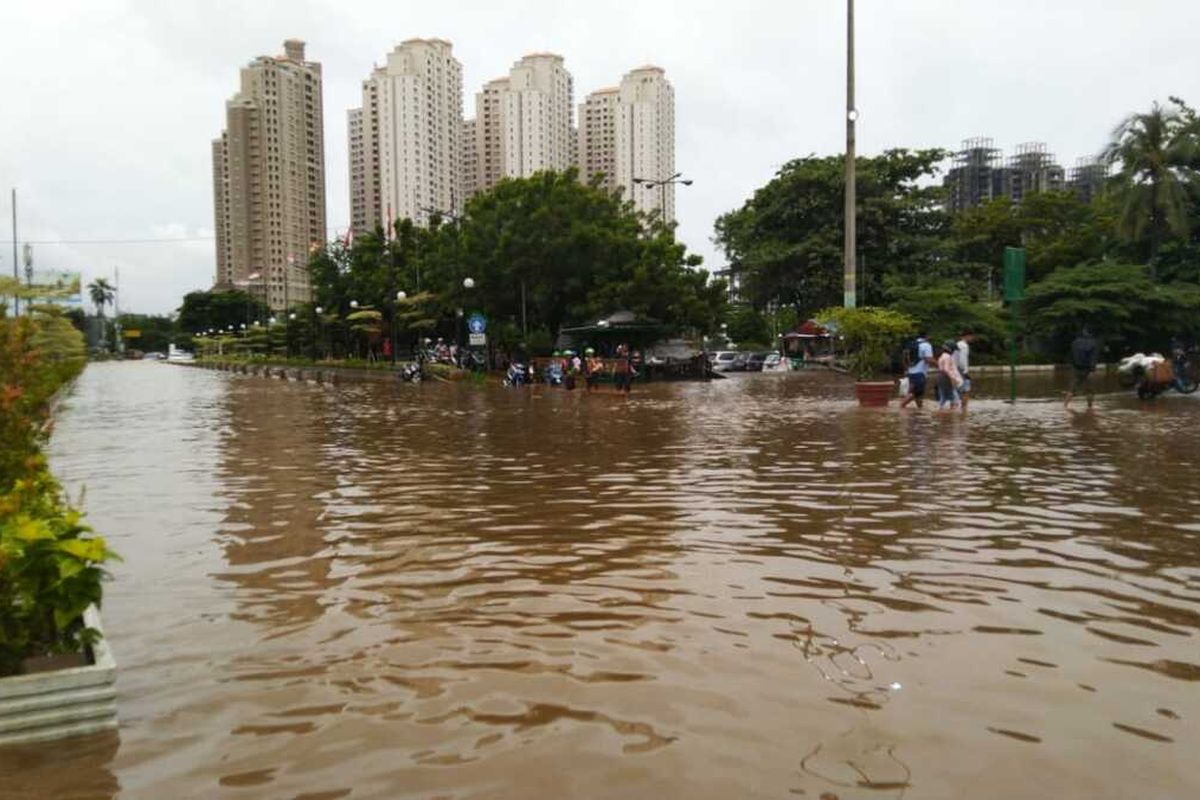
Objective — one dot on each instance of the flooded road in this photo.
(750, 588)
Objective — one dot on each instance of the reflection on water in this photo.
(744, 589)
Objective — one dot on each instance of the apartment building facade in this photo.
(269, 179)
(417, 131)
(597, 139)
(645, 139)
(536, 115)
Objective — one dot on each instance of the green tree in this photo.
(218, 310)
(787, 240)
(747, 326)
(1055, 228)
(1121, 303)
(543, 252)
(946, 308)
(101, 293)
(155, 333)
(1157, 154)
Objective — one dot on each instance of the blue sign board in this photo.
(476, 323)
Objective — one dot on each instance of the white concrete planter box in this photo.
(66, 702)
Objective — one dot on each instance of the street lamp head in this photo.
(354, 304)
(319, 310)
(271, 320)
(243, 326)
(639, 180)
(468, 283)
(687, 182)
(292, 315)
(400, 295)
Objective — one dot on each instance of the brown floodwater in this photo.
(749, 588)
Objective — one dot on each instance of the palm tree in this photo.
(102, 293)
(1157, 154)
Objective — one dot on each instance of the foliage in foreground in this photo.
(50, 565)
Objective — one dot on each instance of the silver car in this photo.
(722, 360)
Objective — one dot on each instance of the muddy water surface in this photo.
(745, 589)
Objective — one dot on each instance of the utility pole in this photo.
(119, 342)
(850, 294)
(28, 250)
(16, 272)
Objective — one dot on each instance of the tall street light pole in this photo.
(850, 293)
(16, 273)
(662, 184)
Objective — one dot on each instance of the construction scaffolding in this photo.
(1087, 178)
(974, 177)
(1031, 169)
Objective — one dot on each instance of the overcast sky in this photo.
(110, 105)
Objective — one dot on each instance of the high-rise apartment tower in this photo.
(417, 132)
(645, 139)
(536, 117)
(598, 137)
(269, 178)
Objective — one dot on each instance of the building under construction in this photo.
(979, 174)
(1088, 178)
(976, 176)
(1032, 169)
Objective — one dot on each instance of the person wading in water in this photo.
(624, 369)
(920, 360)
(1085, 352)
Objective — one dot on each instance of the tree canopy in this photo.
(1157, 155)
(217, 310)
(786, 241)
(543, 253)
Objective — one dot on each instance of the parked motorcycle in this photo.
(517, 374)
(411, 373)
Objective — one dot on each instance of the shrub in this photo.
(870, 335)
(49, 564)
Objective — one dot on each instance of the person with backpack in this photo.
(1085, 352)
(918, 357)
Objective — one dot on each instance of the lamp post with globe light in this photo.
(318, 330)
(400, 296)
(468, 284)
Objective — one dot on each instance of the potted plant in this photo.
(869, 336)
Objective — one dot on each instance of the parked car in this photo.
(773, 363)
(754, 362)
(722, 360)
(739, 362)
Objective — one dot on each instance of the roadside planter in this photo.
(868, 335)
(874, 393)
(44, 706)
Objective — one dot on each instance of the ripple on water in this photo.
(746, 588)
